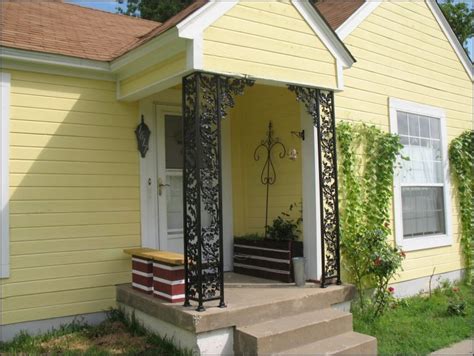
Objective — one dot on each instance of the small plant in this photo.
(374, 262)
(456, 303)
(386, 261)
(251, 237)
(286, 228)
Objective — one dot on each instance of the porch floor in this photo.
(249, 300)
(236, 280)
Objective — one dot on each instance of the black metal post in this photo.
(205, 99)
(320, 105)
(338, 231)
(219, 170)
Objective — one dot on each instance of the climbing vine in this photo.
(367, 157)
(461, 159)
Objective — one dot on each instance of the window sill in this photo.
(425, 242)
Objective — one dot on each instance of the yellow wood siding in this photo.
(74, 189)
(155, 74)
(268, 40)
(249, 123)
(402, 52)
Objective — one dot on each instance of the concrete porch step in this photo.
(351, 343)
(291, 331)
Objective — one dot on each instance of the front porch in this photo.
(225, 83)
(261, 317)
(214, 184)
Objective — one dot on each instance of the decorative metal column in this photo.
(320, 105)
(206, 97)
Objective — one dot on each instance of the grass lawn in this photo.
(116, 335)
(421, 324)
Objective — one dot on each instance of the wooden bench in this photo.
(160, 273)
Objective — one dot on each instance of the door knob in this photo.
(161, 185)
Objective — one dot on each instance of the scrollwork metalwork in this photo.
(205, 100)
(268, 175)
(320, 105)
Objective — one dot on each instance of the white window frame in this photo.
(5, 79)
(428, 241)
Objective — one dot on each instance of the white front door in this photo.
(169, 193)
(170, 180)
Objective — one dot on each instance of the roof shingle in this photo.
(67, 29)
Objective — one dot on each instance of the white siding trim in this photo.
(311, 207)
(5, 80)
(322, 30)
(420, 243)
(453, 40)
(201, 19)
(356, 19)
(148, 179)
(17, 59)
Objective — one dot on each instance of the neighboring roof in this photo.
(67, 29)
(336, 12)
(72, 30)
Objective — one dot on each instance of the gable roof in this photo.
(72, 30)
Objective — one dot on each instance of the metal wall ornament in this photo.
(142, 132)
(320, 105)
(268, 175)
(206, 97)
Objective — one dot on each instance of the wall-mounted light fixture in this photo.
(299, 134)
(142, 133)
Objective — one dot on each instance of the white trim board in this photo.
(5, 84)
(325, 33)
(461, 53)
(432, 241)
(32, 61)
(356, 19)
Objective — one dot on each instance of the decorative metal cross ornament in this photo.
(143, 137)
(268, 175)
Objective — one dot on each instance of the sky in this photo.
(105, 5)
(111, 6)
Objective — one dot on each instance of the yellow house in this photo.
(77, 83)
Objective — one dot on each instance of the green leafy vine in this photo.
(367, 158)
(461, 159)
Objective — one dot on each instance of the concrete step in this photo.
(350, 343)
(291, 331)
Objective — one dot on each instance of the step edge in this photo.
(367, 339)
(250, 329)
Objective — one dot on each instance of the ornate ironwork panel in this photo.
(320, 105)
(206, 98)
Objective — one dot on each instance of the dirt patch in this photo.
(112, 338)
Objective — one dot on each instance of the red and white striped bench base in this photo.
(142, 274)
(168, 282)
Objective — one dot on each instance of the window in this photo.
(4, 186)
(422, 202)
